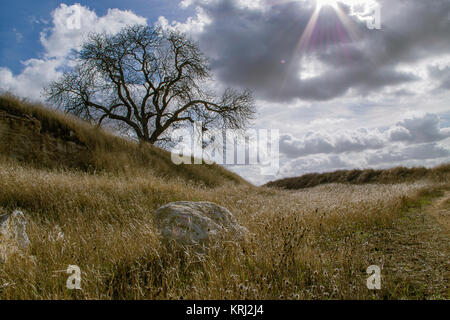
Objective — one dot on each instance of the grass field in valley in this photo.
(313, 243)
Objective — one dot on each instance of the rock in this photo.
(191, 223)
(24, 137)
(13, 233)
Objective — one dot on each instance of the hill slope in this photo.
(43, 137)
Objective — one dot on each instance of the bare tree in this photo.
(150, 81)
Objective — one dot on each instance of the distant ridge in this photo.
(394, 175)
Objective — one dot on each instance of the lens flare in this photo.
(324, 3)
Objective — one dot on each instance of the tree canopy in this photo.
(148, 80)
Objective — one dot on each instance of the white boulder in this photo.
(13, 233)
(191, 223)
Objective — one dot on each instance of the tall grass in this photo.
(108, 152)
(308, 244)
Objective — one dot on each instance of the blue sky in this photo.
(22, 21)
(343, 95)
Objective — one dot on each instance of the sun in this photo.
(324, 3)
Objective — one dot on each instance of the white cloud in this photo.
(396, 70)
(30, 81)
(415, 129)
(193, 25)
(420, 129)
(65, 36)
(415, 152)
(326, 142)
(415, 140)
(382, 82)
(318, 163)
(428, 154)
(58, 41)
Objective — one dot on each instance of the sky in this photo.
(348, 84)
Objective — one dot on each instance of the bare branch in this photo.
(150, 81)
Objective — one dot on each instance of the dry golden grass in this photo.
(108, 152)
(309, 244)
(305, 244)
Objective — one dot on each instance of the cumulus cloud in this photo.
(412, 130)
(319, 92)
(318, 163)
(30, 81)
(429, 154)
(258, 46)
(419, 129)
(66, 34)
(415, 140)
(414, 152)
(325, 142)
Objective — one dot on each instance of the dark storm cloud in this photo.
(258, 48)
(414, 29)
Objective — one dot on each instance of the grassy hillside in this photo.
(109, 153)
(314, 243)
(387, 176)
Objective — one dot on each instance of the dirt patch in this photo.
(440, 210)
(416, 251)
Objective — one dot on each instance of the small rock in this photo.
(191, 223)
(13, 233)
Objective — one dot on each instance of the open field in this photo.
(310, 244)
(314, 243)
